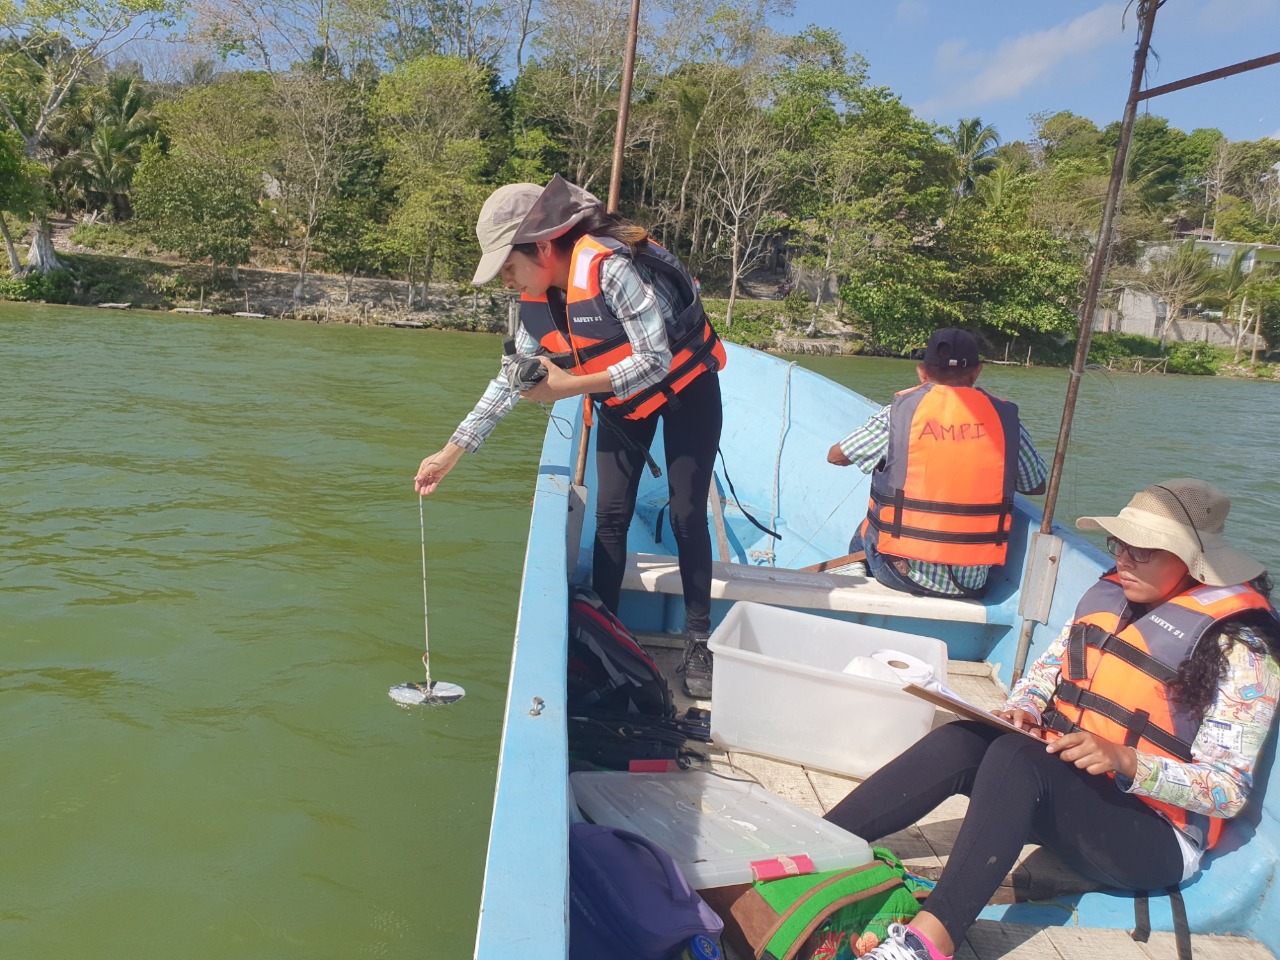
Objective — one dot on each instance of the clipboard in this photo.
(964, 708)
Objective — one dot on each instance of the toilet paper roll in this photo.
(870, 669)
(908, 668)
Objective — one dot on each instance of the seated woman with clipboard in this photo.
(1154, 704)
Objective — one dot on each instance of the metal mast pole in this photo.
(615, 188)
(1097, 270)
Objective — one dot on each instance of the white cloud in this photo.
(1019, 62)
(913, 11)
(1228, 15)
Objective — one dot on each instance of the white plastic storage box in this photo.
(714, 828)
(780, 690)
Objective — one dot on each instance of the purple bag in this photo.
(628, 899)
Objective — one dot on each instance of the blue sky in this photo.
(1003, 60)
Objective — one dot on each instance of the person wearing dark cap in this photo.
(1152, 709)
(609, 314)
(945, 458)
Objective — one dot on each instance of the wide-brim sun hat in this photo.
(526, 213)
(1185, 517)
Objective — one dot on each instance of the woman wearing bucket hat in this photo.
(607, 313)
(1155, 703)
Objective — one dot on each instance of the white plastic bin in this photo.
(779, 690)
(714, 828)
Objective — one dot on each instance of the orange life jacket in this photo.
(581, 324)
(944, 491)
(1115, 673)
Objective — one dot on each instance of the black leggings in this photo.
(691, 436)
(1017, 793)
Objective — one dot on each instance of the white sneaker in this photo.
(903, 944)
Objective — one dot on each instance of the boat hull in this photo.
(780, 420)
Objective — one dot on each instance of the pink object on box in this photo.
(780, 867)
(652, 766)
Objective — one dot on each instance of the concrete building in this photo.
(1141, 314)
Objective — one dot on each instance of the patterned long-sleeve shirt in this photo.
(868, 445)
(1225, 751)
(641, 300)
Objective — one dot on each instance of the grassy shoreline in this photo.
(94, 278)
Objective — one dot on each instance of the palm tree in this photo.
(98, 142)
(1177, 279)
(975, 145)
(1229, 281)
(1235, 286)
(123, 123)
(995, 189)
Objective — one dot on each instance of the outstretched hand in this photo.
(1095, 755)
(434, 467)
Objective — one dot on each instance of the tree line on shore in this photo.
(361, 136)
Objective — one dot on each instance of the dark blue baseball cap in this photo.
(950, 347)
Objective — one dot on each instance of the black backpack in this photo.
(609, 672)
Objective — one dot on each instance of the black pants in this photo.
(1017, 793)
(691, 436)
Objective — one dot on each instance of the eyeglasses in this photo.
(1136, 554)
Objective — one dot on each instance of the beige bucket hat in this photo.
(526, 213)
(1185, 517)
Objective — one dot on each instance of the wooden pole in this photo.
(624, 108)
(1101, 257)
(615, 189)
(1097, 269)
(1199, 78)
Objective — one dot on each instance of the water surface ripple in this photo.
(209, 577)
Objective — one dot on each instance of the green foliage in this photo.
(56, 286)
(905, 299)
(1197, 359)
(196, 208)
(796, 307)
(1120, 346)
(347, 234)
(1192, 358)
(29, 287)
(21, 192)
(121, 239)
(756, 323)
(1239, 220)
(532, 158)
(1066, 136)
(1157, 154)
(171, 286)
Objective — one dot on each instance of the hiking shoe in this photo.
(902, 944)
(696, 666)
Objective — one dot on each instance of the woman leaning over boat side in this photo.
(623, 320)
(1156, 702)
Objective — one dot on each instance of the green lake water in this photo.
(210, 575)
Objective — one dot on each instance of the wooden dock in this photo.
(925, 846)
(1139, 364)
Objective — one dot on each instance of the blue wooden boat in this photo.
(780, 420)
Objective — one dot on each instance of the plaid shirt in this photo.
(865, 448)
(641, 300)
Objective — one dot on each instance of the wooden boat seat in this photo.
(659, 573)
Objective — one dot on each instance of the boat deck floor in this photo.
(924, 847)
